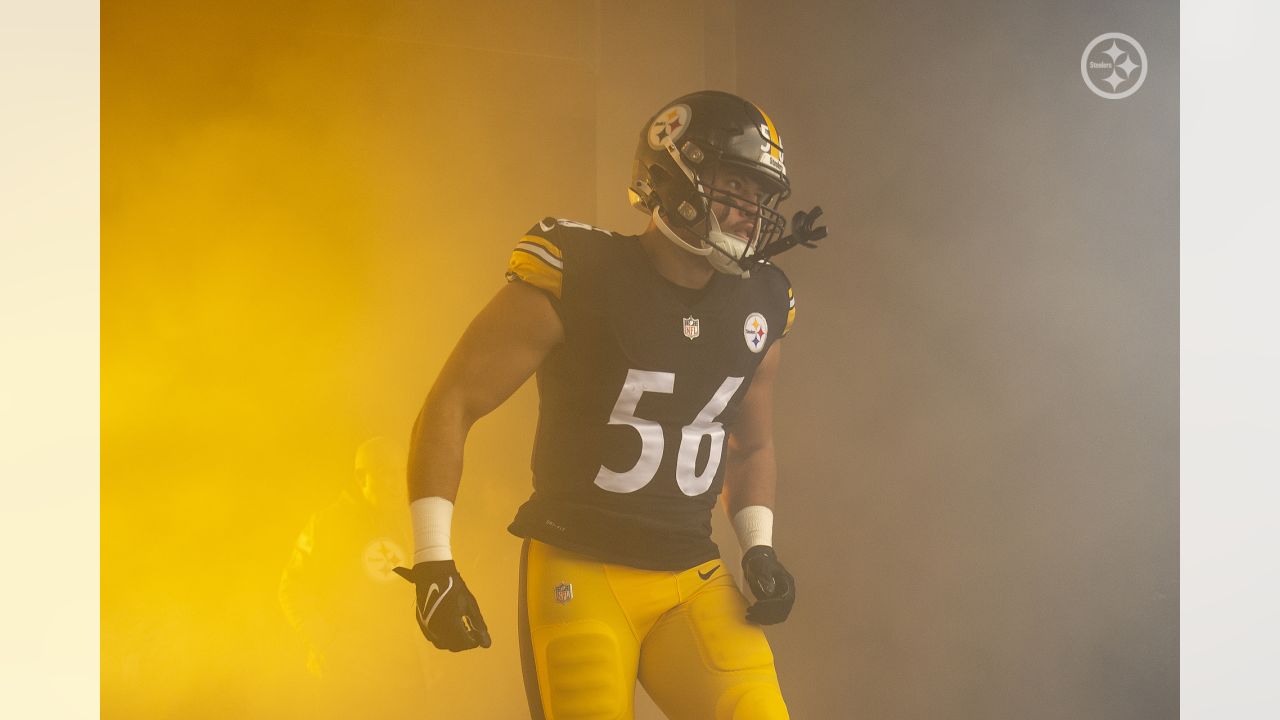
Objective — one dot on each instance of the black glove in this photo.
(773, 586)
(447, 611)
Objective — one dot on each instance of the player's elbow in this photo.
(445, 409)
(744, 446)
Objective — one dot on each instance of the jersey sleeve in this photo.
(538, 260)
(780, 288)
(791, 310)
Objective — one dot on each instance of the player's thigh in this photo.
(578, 652)
(704, 661)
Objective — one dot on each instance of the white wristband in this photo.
(431, 517)
(754, 526)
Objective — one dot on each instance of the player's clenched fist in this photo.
(446, 610)
(773, 586)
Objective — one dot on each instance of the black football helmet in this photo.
(673, 179)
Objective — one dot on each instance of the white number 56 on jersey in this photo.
(691, 483)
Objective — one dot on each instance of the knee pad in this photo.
(580, 672)
(754, 700)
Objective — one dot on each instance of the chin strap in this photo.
(673, 237)
(729, 250)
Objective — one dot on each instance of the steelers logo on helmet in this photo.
(755, 331)
(669, 125)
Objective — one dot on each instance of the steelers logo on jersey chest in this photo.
(755, 332)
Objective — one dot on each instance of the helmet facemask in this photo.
(696, 195)
(733, 254)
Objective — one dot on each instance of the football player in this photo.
(655, 358)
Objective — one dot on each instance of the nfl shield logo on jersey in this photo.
(564, 592)
(691, 328)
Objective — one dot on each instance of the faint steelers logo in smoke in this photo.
(381, 556)
(1114, 66)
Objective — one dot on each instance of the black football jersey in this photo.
(634, 405)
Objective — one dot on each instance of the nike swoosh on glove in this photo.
(446, 610)
(773, 586)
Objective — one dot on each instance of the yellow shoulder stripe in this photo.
(538, 264)
(543, 243)
(791, 311)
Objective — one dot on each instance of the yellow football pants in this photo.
(589, 629)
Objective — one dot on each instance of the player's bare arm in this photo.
(750, 484)
(751, 472)
(501, 348)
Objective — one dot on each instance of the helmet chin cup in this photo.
(730, 249)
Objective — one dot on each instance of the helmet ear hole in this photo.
(659, 176)
(668, 195)
(658, 182)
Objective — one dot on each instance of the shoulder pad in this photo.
(791, 310)
(780, 280)
(537, 258)
(550, 224)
